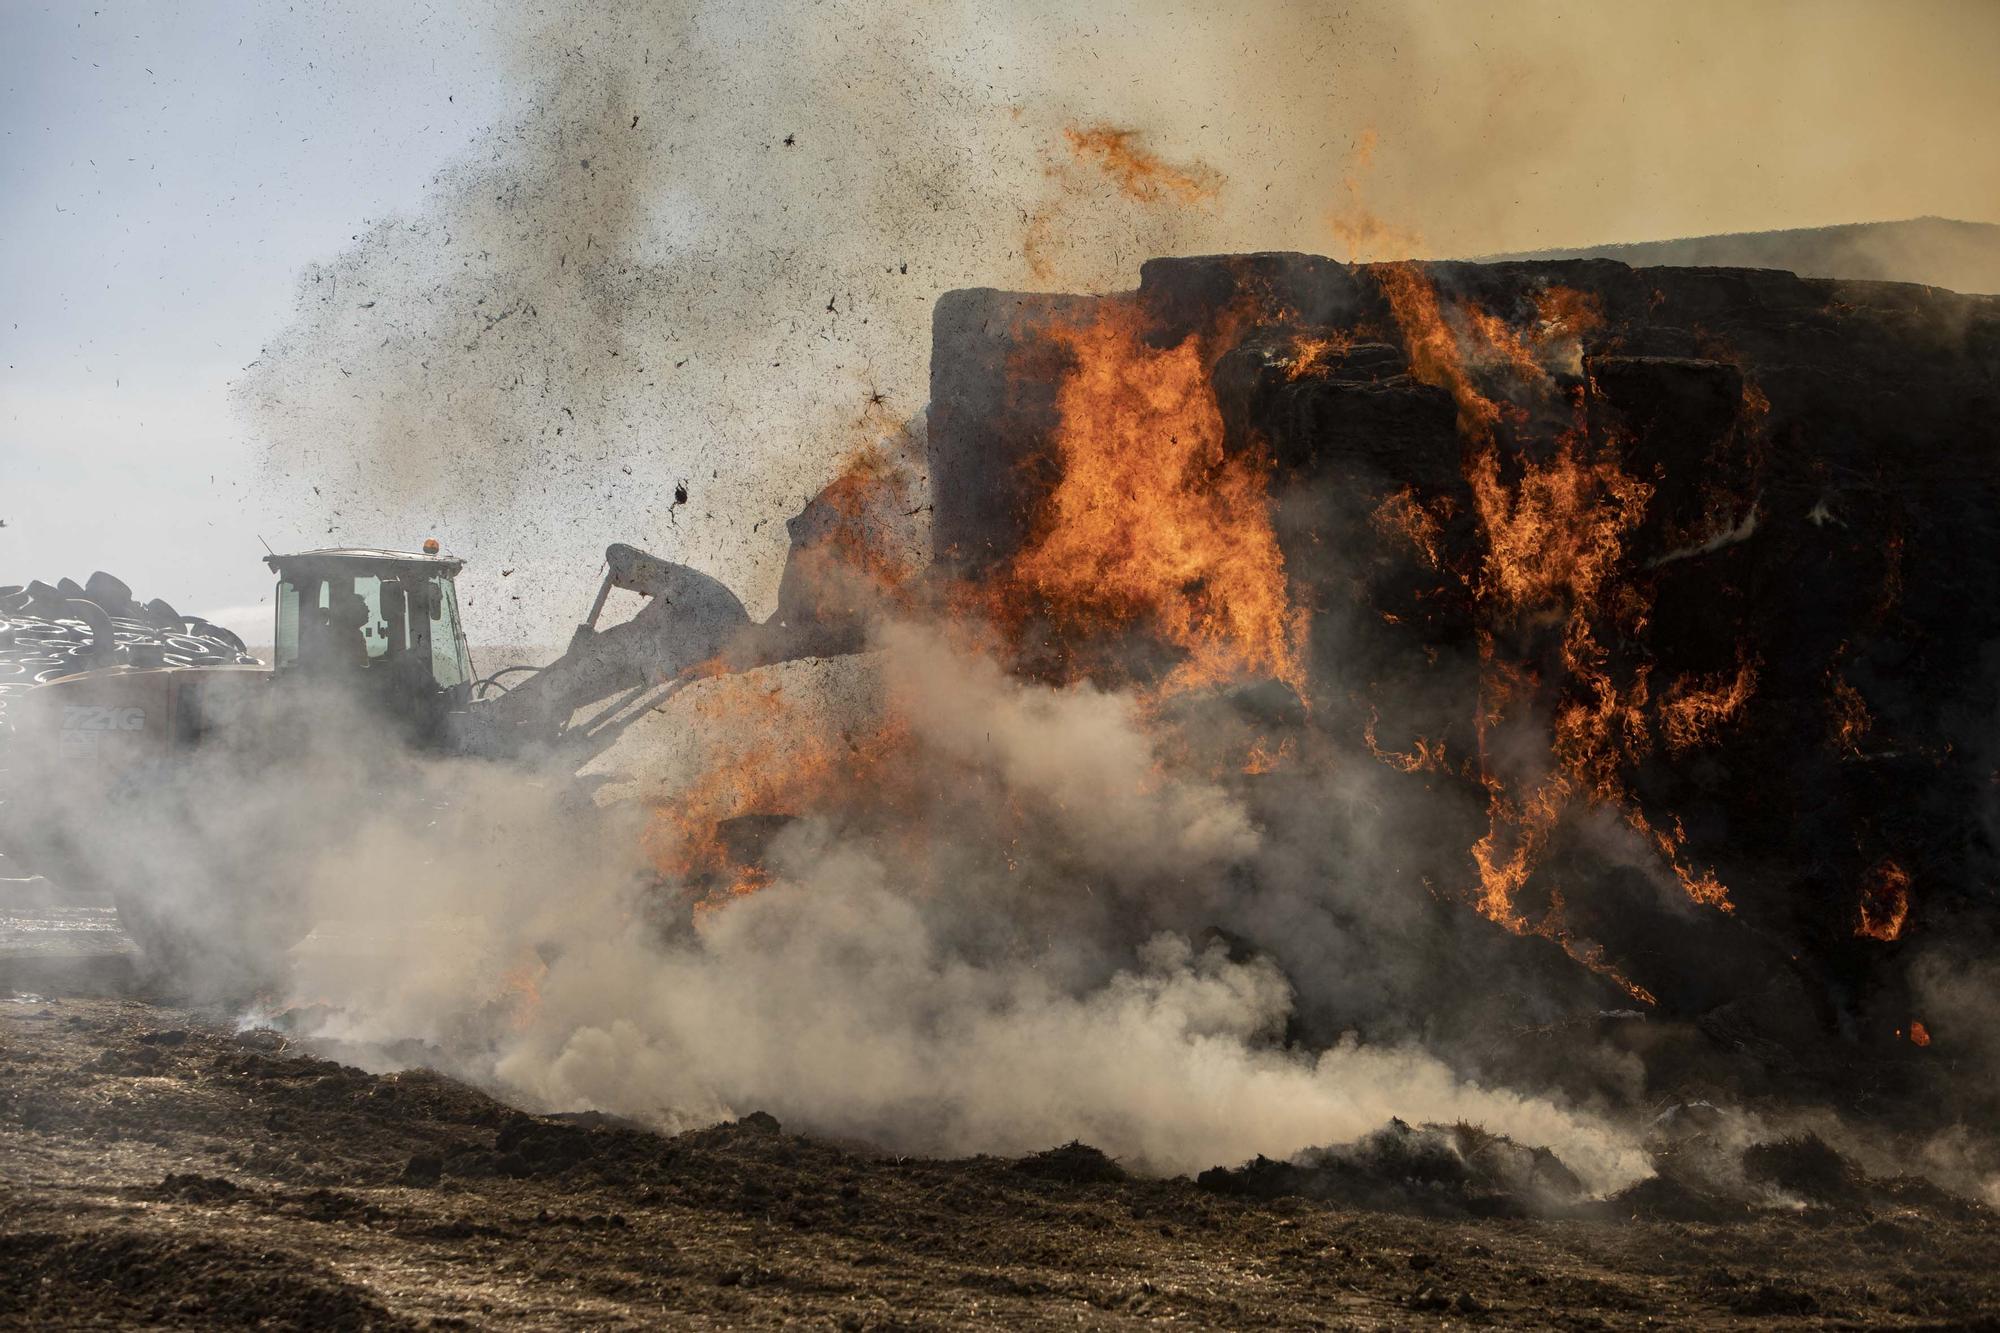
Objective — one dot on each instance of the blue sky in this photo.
(166, 171)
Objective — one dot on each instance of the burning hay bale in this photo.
(1621, 576)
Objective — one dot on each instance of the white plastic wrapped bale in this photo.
(43, 637)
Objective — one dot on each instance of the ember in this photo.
(1139, 173)
(1885, 902)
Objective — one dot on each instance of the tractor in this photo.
(150, 782)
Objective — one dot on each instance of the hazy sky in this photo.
(179, 181)
(166, 170)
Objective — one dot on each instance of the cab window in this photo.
(368, 622)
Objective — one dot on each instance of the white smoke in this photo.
(1008, 991)
(708, 234)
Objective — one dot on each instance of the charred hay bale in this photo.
(1674, 1196)
(531, 1147)
(423, 1170)
(1805, 1166)
(1433, 1169)
(191, 1187)
(1747, 1294)
(1074, 1163)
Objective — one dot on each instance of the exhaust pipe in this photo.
(103, 645)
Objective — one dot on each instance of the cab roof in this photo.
(337, 555)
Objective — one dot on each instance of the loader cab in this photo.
(382, 625)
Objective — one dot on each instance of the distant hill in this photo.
(1963, 256)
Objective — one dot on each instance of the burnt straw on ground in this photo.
(226, 1181)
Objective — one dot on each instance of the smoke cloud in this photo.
(700, 261)
(711, 234)
(1031, 968)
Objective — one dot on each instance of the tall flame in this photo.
(1153, 526)
(1153, 529)
(1554, 526)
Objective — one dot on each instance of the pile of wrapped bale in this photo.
(43, 636)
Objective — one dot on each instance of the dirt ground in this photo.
(158, 1166)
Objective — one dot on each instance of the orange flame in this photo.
(1433, 348)
(846, 559)
(1554, 529)
(1851, 719)
(1400, 514)
(1565, 314)
(1311, 352)
(522, 985)
(1509, 348)
(1360, 229)
(1426, 756)
(1588, 952)
(1138, 173)
(793, 763)
(1693, 713)
(1919, 1034)
(1264, 759)
(1152, 524)
(1885, 902)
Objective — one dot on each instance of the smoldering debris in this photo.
(1456, 1169)
(1731, 1171)
(305, 1192)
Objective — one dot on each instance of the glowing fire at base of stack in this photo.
(1153, 534)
